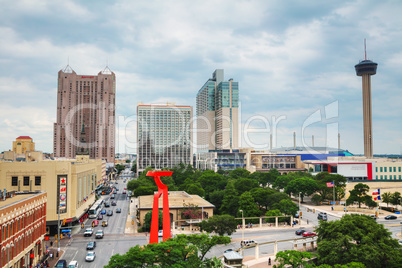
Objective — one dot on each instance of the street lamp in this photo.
(300, 217)
(242, 223)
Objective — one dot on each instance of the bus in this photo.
(95, 209)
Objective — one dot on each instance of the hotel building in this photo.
(164, 136)
(85, 106)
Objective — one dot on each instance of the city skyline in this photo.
(290, 59)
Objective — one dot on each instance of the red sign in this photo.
(31, 255)
(46, 238)
(37, 243)
(86, 76)
(69, 220)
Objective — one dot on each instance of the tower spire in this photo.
(365, 51)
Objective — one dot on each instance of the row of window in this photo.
(19, 223)
(11, 250)
(26, 180)
(391, 177)
(385, 169)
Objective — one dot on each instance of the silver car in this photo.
(90, 256)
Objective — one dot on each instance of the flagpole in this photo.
(334, 192)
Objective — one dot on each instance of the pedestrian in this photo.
(51, 255)
(51, 243)
(269, 261)
(307, 221)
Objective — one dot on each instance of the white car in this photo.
(88, 232)
(160, 233)
(99, 234)
(90, 256)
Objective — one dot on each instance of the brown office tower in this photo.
(366, 69)
(85, 115)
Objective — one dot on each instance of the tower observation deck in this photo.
(366, 69)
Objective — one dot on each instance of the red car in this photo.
(307, 234)
(95, 223)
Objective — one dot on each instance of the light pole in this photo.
(242, 224)
(300, 217)
(58, 229)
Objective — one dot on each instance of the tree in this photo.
(358, 194)
(179, 251)
(357, 238)
(239, 173)
(211, 181)
(181, 172)
(230, 202)
(287, 207)
(245, 184)
(262, 196)
(273, 212)
(316, 199)
(294, 258)
(304, 186)
(195, 189)
(119, 168)
(247, 204)
(146, 227)
(326, 192)
(386, 198)
(216, 198)
(134, 167)
(396, 198)
(191, 211)
(220, 224)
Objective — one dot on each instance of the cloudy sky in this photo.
(294, 61)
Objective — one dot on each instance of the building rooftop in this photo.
(16, 198)
(24, 138)
(177, 199)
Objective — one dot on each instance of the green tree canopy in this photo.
(146, 227)
(245, 184)
(287, 207)
(396, 198)
(386, 198)
(211, 181)
(220, 224)
(247, 204)
(357, 238)
(304, 185)
(358, 194)
(230, 203)
(293, 258)
(179, 251)
(239, 173)
(119, 168)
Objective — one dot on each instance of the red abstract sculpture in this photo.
(162, 190)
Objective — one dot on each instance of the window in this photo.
(400, 177)
(37, 180)
(376, 169)
(380, 169)
(14, 181)
(386, 177)
(399, 169)
(381, 177)
(26, 181)
(394, 169)
(385, 169)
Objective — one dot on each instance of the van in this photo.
(73, 264)
(246, 243)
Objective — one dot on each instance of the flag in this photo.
(330, 184)
(377, 198)
(376, 192)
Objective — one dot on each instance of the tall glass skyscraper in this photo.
(164, 136)
(218, 114)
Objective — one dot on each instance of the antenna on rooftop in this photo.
(365, 52)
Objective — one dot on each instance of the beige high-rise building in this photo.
(85, 112)
(218, 114)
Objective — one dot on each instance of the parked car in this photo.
(114, 203)
(118, 210)
(61, 264)
(228, 250)
(300, 231)
(99, 234)
(100, 217)
(308, 234)
(95, 223)
(90, 256)
(109, 213)
(88, 232)
(91, 245)
(390, 217)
